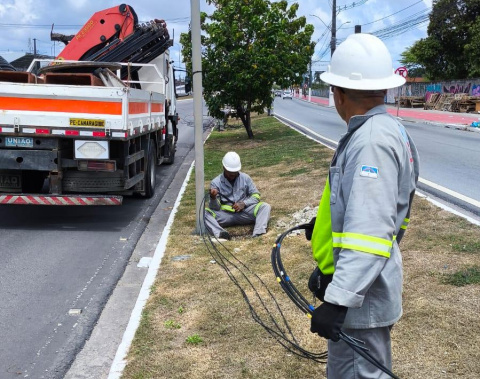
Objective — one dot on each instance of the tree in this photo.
(410, 61)
(450, 50)
(248, 46)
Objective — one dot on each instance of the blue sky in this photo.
(22, 21)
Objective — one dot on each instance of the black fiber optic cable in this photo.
(289, 288)
(280, 330)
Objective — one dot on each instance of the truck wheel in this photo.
(170, 157)
(150, 177)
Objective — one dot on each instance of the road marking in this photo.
(309, 131)
(119, 361)
(459, 196)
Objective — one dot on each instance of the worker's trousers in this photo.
(215, 223)
(344, 363)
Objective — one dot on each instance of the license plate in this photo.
(10, 181)
(86, 122)
(19, 142)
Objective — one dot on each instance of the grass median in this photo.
(197, 324)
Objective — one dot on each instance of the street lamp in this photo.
(333, 29)
(328, 27)
(333, 43)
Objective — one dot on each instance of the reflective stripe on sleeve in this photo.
(257, 207)
(211, 212)
(256, 196)
(227, 208)
(363, 243)
(405, 223)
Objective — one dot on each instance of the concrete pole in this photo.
(333, 43)
(197, 113)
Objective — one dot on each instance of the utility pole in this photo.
(310, 74)
(333, 41)
(198, 113)
(34, 48)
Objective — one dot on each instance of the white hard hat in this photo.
(362, 62)
(231, 162)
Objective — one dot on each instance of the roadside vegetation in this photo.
(248, 47)
(196, 323)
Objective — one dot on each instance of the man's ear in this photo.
(341, 97)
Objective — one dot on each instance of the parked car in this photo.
(278, 93)
(287, 94)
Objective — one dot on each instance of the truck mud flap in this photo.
(16, 199)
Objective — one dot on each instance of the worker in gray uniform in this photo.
(235, 200)
(363, 212)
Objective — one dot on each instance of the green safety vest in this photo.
(322, 238)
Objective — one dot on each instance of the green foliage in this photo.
(170, 324)
(194, 339)
(186, 42)
(469, 275)
(410, 61)
(451, 50)
(249, 45)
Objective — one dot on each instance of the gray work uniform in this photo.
(220, 213)
(373, 176)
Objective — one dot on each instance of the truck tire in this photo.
(170, 146)
(150, 179)
(170, 157)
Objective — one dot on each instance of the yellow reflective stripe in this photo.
(256, 196)
(364, 243)
(363, 249)
(405, 223)
(257, 207)
(362, 237)
(211, 212)
(227, 208)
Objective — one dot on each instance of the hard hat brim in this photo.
(232, 169)
(392, 81)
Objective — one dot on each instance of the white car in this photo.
(287, 95)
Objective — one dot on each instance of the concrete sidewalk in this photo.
(458, 120)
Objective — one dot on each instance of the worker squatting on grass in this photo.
(235, 200)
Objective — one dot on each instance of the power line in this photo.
(393, 14)
(404, 25)
(353, 5)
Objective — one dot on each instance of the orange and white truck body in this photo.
(81, 138)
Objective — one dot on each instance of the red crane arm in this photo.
(116, 22)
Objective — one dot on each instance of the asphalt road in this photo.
(59, 265)
(448, 157)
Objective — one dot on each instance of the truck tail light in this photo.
(91, 165)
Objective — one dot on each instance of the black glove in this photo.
(309, 229)
(327, 320)
(318, 283)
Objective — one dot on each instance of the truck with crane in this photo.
(90, 126)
